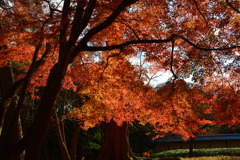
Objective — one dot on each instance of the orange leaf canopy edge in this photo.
(205, 36)
(115, 91)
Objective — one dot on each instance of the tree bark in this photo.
(6, 83)
(116, 144)
(60, 137)
(74, 142)
(43, 118)
(33, 140)
(190, 154)
(7, 112)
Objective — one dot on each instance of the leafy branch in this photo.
(122, 6)
(105, 67)
(170, 39)
(173, 82)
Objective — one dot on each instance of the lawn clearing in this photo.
(213, 158)
(203, 153)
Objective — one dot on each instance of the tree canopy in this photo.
(85, 45)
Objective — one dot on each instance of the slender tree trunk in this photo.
(74, 142)
(60, 137)
(116, 144)
(191, 148)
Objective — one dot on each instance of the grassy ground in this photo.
(210, 152)
(213, 158)
(199, 158)
(198, 154)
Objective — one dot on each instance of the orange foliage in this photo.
(96, 46)
(114, 91)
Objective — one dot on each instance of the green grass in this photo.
(213, 158)
(214, 152)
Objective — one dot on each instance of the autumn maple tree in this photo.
(87, 44)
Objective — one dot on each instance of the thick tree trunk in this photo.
(116, 145)
(37, 132)
(6, 83)
(7, 112)
(14, 137)
(33, 140)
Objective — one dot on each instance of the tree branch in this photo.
(5, 5)
(206, 49)
(33, 68)
(171, 61)
(197, 6)
(127, 25)
(64, 25)
(103, 25)
(110, 56)
(170, 39)
(119, 46)
(62, 145)
(230, 5)
(53, 9)
(81, 21)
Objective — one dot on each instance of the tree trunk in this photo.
(6, 84)
(60, 137)
(16, 134)
(74, 142)
(116, 144)
(190, 154)
(34, 138)
(37, 132)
